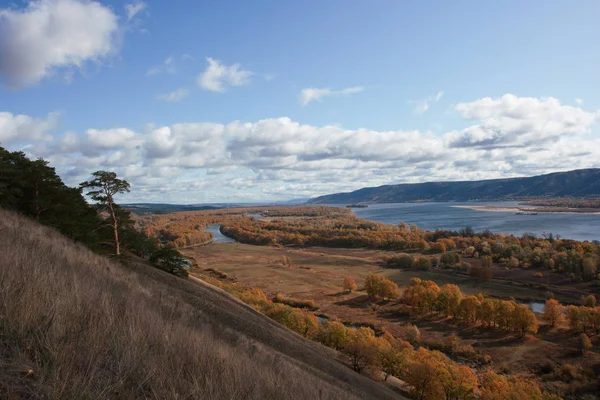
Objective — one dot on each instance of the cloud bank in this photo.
(279, 158)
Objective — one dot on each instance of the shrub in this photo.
(422, 263)
(584, 343)
(378, 286)
(349, 284)
(401, 260)
(588, 301)
(297, 303)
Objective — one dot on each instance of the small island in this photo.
(357, 205)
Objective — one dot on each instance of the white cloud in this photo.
(282, 158)
(315, 94)
(218, 76)
(167, 67)
(511, 121)
(132, 9)
(19, 128)
(421, 106)
(111, 138)
(174, 96)
(579, 101)
(51, 34)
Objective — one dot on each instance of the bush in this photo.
(449, 259)
(168, 259)
(378, 286)
(401, 260)
(297, 303)
(349, 284)
(422, 263)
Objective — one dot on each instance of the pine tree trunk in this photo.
(115, 226)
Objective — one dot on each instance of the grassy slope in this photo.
(75, 325)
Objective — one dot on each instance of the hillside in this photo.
(77, 325)
(578, 183)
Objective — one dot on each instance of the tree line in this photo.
(430, 374)
(579, 260)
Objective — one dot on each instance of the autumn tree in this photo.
(373, 285)
(500, 387)
(389, 290)
(349, 284)
(378, 286)
(421, 295)
(422, 373)
(553, 311)
(394, 357)
(488, 312)
(104, 186)
(584, 343)
(468, 309)
(459, 382)
(361, 347)
(524, 320)
(588, 301)
(577, 317)
(448, 300)
(333, 334)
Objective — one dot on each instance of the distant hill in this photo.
(165, 208)
(578, 183)
(75, 325)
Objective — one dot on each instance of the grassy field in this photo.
(317, 270)
(74, 325)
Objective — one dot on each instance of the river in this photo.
(433, 216)
(218, 237)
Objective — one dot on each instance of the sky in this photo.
(250, 101)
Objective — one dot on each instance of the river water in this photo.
(433, 216)
(218, 237)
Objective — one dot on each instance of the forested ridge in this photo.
(577, 183)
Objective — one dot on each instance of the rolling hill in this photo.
(578, 183)
(77, 325)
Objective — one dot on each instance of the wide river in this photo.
(433, 216)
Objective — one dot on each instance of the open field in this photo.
(317, 270)
(316, 273)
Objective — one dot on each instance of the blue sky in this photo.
(329, 96)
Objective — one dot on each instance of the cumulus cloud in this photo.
(174, 96)
(217, 76)
(511, 121)
(282, 158)
(421, 106)
(315, 94)
(132, 9)
(52, 34)
(19, 128)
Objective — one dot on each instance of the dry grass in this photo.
(75, 325)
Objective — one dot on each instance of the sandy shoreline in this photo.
(525, 209)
